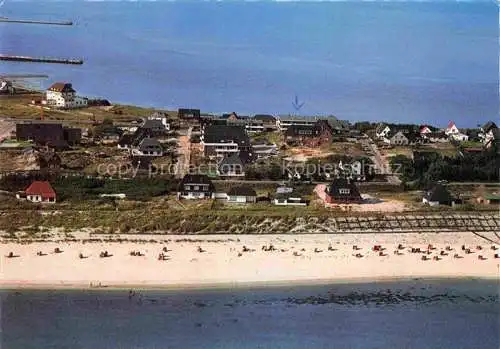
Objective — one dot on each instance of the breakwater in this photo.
(40, 59)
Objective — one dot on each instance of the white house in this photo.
(451, 129)
(382, 131)
(454, 133)
(62, 95)
(162, 117)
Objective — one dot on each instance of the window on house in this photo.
(344, 191)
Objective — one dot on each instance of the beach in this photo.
(233, 260)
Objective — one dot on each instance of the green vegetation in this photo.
(430, 167)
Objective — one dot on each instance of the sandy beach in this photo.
(297, 258)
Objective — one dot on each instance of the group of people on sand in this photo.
(378, 249)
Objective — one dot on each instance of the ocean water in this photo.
(427, 62)
(420, 314)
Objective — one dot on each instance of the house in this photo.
(148, 147)
(489, 132)
(194, 186)
(189, 114)
(232, 165)
(242, 195)
(268, 121)
(424, 130)
(494, 140)
(46, 134)
(451, 129)
(285, 196)
(62, 95)
(264, 150)
(283, 122)
(314, 135)
(454, 133)
(109, 135)
(342, 190)
(438, 195)
(220, 140)
(155, 127)
(382, 131)
(254, 126)
(398, 138)
(163, 118)
(39, 191)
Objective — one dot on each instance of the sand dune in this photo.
(223, 261)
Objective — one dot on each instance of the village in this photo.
(202, 158)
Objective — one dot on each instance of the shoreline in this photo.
(214, 286)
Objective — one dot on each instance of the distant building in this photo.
(342, 191)
(315, 135)
(284, 122)
(189, 114)
(268, 121)
(438, 195)
(163, 118)
(49, 134)
(286, 196)
(382, 130)
(62, 95)
(39, 191)
(195, 187)
(219, 141)
(155, 127)
(148, 147)
(489, 133)
(242, 195)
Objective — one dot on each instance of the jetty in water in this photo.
(40, 59)
(29, 21)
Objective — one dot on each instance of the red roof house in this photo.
(40, 191)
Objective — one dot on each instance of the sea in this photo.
(421, 61)
(404, 314)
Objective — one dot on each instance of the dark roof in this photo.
(149, 143)
(153, 124)
(488, 126)
(440, 194)
(40, 132)
(61, 87)
(226, 134)
(265, 118)
(242, 191)
(246, 156)
(342, 183)
(42, 188)
(233, 159)
(126, 139)
(196, 179)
